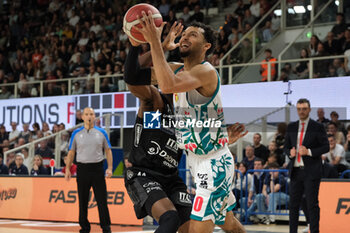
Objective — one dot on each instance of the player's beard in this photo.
(185, 53)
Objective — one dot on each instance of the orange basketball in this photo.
(131, 20)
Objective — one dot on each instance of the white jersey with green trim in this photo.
(200, 126)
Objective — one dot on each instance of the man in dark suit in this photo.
(306, 140)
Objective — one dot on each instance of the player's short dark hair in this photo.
(274, 165)
(209, 34)
(303, 100)
(257, 159)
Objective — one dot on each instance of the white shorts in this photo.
(213, 176)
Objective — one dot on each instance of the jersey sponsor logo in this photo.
(129, 174)
(157, 150)
(343, 204)
(172, 145)
(151, 120)
(138, 131)
(203, 180)
(185, 198)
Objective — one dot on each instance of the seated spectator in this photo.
(64, 142)
(45, 152)
(321, 66)
(347, 142)
(38, 168)
(3, 136)
(260, 150)
(77, 89)
(340, 26)
(5, 93)
(243, 183)
(19, 169)
(267, 32)
(27, 160)
(336, 155)
(245, 52)
(302, 67)
(249, 157)
(314, 41)
(186, 15)
(345, 42)
(273, 158)
(255, 8)
(321, 118)
(3, 168)
(269, 59)
(339, 67)
(331, 45)
(13, 135)
(36, 129)
(273, 194)
(248, 18)
(241, 8)
(198, 16)
(73, 168)
(335, 118)
(46, 129)
(274, 149)
(78, 117)
(332, 128)
(164, 8)
(256, 188)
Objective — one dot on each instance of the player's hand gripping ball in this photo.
(131, 20)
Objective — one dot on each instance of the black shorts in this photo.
(147, 187)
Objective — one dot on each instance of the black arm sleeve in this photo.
(133, 73)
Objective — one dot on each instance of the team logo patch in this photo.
(129, 174)
(151, 120)
(185, 198)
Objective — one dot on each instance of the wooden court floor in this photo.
(23, 226)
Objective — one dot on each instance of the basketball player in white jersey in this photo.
(197, 98)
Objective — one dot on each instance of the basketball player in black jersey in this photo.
(152, 182)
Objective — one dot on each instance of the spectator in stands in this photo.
(260, 150)
(5, 94)
(321, 118)
(289, 72)
(198, 16)
(38, 168)
(27, 160)
(273, 149)
(255, 8)
(314, 41)
(78, 117)
(332, 128)
(230, 23)
(36, 129)
(269, 59)
(223, 41)
(248, 18)
(340, 26)
(4, 170)
(171, 17)
(339, 67)
(335, 118)
(302, 67)
(345, 42)
(249, 157)
(347, 142)
(321, 66)
(20, 168)
(73, 168)
(331, 45)
(164, 8)
(336, 155)
(243, 183)
(186, 15)
(3, 136)
(77, 89)
(241, 8)
(273, 158)
(46, 129)
(64, 142)
(274, 193)
(13, 135)
(256, 188)
(245, 52)
(44, 150)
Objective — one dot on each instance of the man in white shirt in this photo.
(255, 8)
(13, 136)
(336, 155)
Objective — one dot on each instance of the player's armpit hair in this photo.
(134, 74)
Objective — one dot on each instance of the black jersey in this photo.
(155, 149)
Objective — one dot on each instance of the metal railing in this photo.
(69, 81)
(57, 137)
(263, 119)
(309, 25)
(252, 33)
